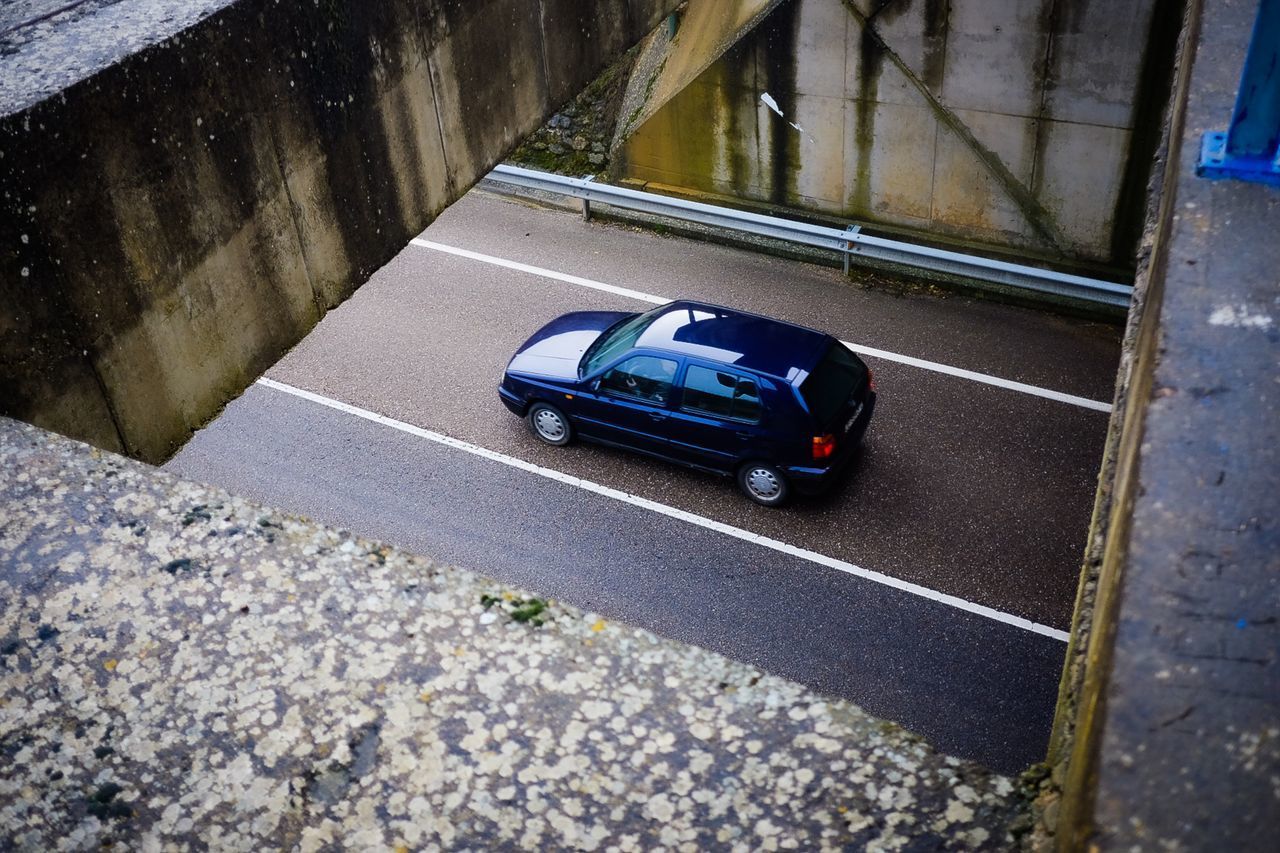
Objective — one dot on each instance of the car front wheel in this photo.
(763, 483)
(549, 424)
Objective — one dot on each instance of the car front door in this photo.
(719, 418)
(630, 404)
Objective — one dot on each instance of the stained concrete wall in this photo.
(1166, 735)
(177, 218)
(1015, 123)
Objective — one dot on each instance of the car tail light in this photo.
(871, 379)
(824, 446)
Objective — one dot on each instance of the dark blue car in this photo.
(774, 404)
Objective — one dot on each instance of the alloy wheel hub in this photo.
(763, 483)
(549, 425)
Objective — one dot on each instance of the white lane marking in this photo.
(545, 273)
(673, 512)
(985, 378)
(1047, 393)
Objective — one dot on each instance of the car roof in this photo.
(782, 350)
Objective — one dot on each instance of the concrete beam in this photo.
(190, 188)
(1168, 735)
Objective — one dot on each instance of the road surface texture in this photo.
(933, 588)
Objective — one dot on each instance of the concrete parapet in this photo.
(187, 191)
(180, 666)
(1168, 735)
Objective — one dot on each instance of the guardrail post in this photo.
(852, 232)
(1249, 149)
(586, 202)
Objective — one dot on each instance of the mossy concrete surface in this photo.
(703, 33)
(1008, 123)
(185, 189)
(181, 667)
(577, 140)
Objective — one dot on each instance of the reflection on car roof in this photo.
(757, 343)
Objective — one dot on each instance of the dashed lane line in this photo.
(961, 373)
(673, 512)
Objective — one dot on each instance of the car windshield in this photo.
(616, 340)
(832, 382)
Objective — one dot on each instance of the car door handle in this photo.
(658, 416)
(743, 434)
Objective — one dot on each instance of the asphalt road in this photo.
(975, 491)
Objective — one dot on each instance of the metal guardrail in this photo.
(849, 242)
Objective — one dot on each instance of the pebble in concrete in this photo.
(179, 666)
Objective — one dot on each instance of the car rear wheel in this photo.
(763, 483)
(549, 424)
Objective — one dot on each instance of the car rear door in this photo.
(719, 419)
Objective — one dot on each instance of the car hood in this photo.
(555, 349)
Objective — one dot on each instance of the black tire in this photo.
(763, 483)
(549, 424)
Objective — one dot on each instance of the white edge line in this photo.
(679, 514)
(987, 379)
(546, 273)
(984, 378)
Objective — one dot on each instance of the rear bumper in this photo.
(817, 480)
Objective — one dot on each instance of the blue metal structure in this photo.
(1249, 149)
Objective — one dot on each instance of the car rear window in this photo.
(832, 382)
(724, 395)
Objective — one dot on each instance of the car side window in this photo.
(645, 377)
(724, 395)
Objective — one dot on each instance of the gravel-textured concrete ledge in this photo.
(180, 666)
(48, 45)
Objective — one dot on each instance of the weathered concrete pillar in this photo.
(183, 198)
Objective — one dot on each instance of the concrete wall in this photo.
(1166, 734)
(1009, 122)
(175, 221)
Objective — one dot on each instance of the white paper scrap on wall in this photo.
(769, 102)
